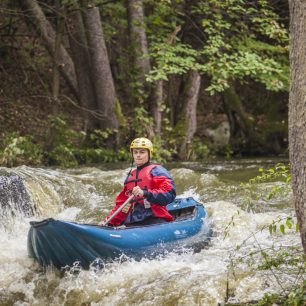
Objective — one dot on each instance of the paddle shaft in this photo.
(118, 210)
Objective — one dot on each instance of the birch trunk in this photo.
(297, 111)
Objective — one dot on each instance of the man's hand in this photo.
(137, 191)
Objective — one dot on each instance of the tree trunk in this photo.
(241, 128)
(157, 109)
(101, 72)
(80, 56)
(60, 26)
(191, 97)
(43, 26)
(157, 99)
(138, 38)
(173, 94)
(297, 111)
(60, 21)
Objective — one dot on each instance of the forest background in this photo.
(81, 79)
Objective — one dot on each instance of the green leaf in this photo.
(289, 223)
(288, 179)
(282, 228)
(270, 229)
(274, 228)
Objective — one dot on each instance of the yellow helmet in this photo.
(142, 143)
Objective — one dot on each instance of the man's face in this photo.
(141, 156)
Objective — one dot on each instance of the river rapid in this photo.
(224, 270)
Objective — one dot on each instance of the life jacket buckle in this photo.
(146, 203)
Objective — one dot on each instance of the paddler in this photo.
(152, 187)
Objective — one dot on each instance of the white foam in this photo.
(175, 279)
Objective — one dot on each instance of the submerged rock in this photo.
(14, 197)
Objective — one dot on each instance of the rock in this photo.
(220, 136)
(14, 197)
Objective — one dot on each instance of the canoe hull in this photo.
(58, 243)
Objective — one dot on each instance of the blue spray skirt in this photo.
(58, 243)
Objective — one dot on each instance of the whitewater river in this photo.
(222, 271)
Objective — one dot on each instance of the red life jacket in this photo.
(145, 181)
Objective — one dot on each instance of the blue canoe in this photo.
(60, 244)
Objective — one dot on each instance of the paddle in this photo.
(117, 211)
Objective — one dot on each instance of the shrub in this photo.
(19, 150)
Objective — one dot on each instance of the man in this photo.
(152, 186)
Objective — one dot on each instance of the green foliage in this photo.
(119, 115)
(71, 148)
(163, 151)
(283, 225)
(169, 55)
(62, 155)
(227, 41)
(64, 134)
(243, 65)
(200, 149)
(142, 124)
(165, 147)
(240, 41)
(252, 195)
(113, 17)
(228, 25)
(230, 224)
(99, 138)
(277, 260)
(296, 297)
(280, 171)
(163, 18)
(269, 299)
(177, 59)
(100, 155)
(69, 2)
(69, 151)
(251, 189)
(18, 150)
(284, 257)
(64, 140)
